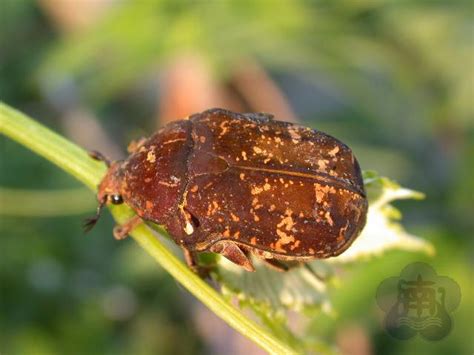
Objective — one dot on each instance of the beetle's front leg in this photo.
(123, 230)
(191, 259)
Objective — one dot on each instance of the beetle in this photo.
(240, 184)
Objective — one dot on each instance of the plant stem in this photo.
(75, 161)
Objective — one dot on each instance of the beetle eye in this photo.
(116, 199)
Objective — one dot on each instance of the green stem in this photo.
(76, 162)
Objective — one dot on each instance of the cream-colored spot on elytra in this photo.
(277, 247)
(244, 155)
(265, 161)
(202, 139)
(295, 136)
(237, 235)
(188, 228)
(256, 218)
(334, 151)
(272, 208)
(267, 186)
(287, 221)
(237, 159)
(194, 188)
(234, 217)
(242, 176)
(284, 238)
(224, 128)
(322, 164)
(295, 245)
(321, 191)
(311, 250)
(278, 140)
(226, 232)
(256, 190)
(151, 157)
(253, 240)
(257, 150)
(282, 181)
(293, 133)
(167, 184)
(329, 219)
(147, 180)
(212, 208)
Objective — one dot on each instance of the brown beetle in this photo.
(236, 184)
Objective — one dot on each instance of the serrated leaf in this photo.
(300, 288)
(382, 231)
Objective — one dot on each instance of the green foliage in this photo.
(361, 45)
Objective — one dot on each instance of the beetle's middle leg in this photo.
(191, 259)
(123, 230)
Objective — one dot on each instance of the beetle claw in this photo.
(90, 222)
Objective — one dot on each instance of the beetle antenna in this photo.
(90, 222)
(100, 157)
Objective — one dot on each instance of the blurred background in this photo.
(392, 79)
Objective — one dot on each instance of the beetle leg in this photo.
(192, 261)
(190, 258)
(123, 230)
(232, 251)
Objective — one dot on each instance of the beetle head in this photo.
(108, 192)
